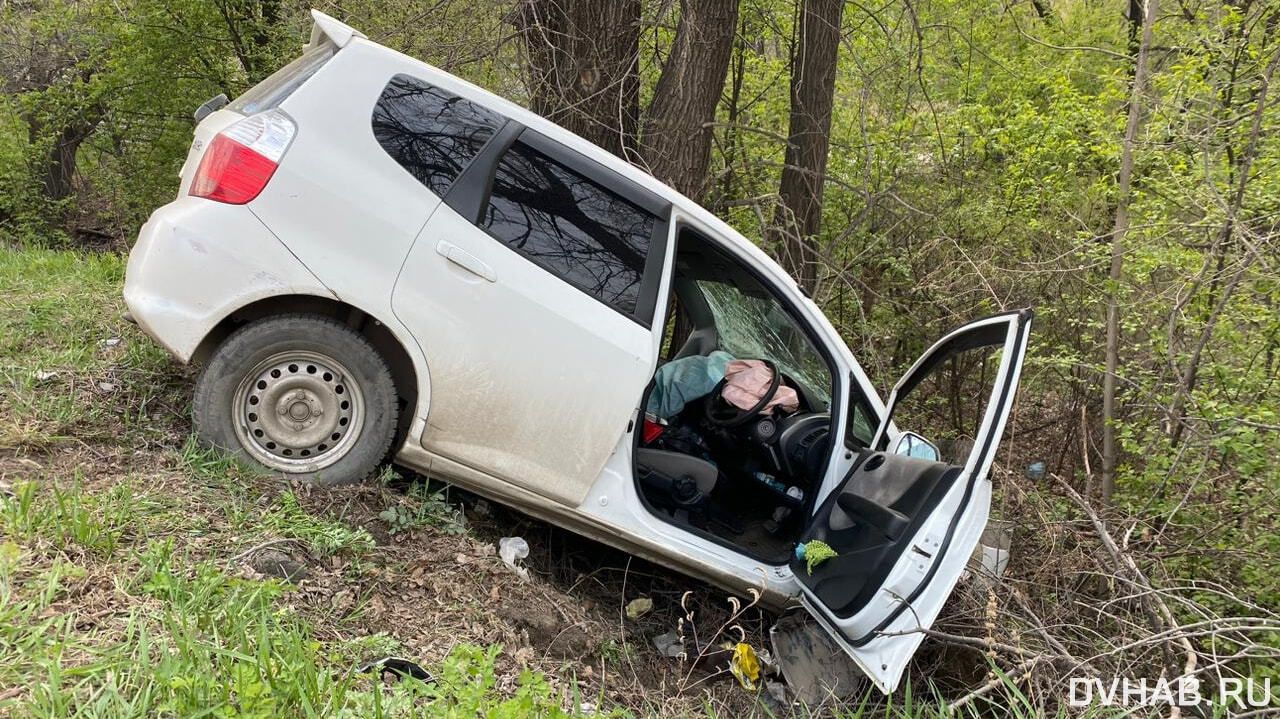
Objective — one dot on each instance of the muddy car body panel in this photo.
(186, 254)
(363, 237)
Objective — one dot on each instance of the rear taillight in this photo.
(241, 159)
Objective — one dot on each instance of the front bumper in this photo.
(196, 261)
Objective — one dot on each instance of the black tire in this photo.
(224, 390)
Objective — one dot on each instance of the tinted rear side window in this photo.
(432, 133)
(272, 91)
(577, 229)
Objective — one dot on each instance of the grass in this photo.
(61, 346)
(127, 590)
(117, 596)
(421, 506)
(198, 642)
(104, 614)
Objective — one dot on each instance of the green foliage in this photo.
(69, 519)
(420, 506)
(616, 653)
(467, 688)
(324, 536)
(117, 82)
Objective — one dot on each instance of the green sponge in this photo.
(815, 552)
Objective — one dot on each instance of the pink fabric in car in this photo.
(747, 382)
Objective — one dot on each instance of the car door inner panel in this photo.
(870, 521)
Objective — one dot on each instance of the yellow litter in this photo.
(637, 608)
(745, 667)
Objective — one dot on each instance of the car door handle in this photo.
(466, 260)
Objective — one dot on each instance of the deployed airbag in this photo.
(679, 382)
(748, 383)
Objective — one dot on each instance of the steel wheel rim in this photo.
(298, 411)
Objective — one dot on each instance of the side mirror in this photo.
(911, 444)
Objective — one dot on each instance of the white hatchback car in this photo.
(369, 255)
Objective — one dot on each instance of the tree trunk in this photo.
(1137, 18)
(56, 166)
(813, 77)
(1118, 233)
(1043, 11)
(60, 165)
(730, 145)
(676, 139)
(583, 64)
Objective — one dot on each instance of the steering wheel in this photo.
(722, 414)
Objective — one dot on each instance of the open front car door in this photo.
(905, 520)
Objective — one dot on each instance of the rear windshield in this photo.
(272, 91)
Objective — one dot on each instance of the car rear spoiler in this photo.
(328, 29)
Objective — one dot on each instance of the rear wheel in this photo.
(301, 395)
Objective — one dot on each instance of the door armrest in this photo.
(891, 523)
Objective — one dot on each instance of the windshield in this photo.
(755, 325)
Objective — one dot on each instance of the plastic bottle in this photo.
(769, 481)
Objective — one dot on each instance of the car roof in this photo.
(575, 142)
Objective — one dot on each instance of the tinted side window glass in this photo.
(572, 226)
(432, 133)
(862, 420)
